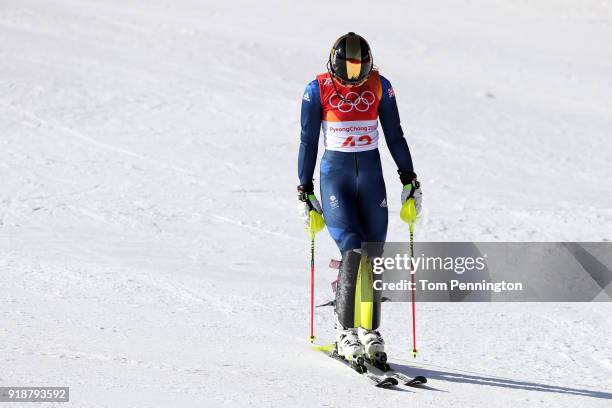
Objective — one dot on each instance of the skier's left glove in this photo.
(309, 208)
(411, 189)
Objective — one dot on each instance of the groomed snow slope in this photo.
(150, 254)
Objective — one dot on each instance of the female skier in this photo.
(346, 101)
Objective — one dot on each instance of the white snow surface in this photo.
(150, 251)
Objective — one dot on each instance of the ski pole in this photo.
(408, 214)
(414, 348)
(312, 270)
(316, 224)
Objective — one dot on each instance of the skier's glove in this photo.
(309, 208)
(411, 189)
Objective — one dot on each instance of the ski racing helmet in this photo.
(350, 60)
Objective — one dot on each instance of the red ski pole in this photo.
(312, 270)
(414, 347)
(408, 214)
(316, 224)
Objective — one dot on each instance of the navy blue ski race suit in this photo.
(353, 195)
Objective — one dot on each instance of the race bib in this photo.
(353, 136)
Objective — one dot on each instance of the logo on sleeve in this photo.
(306, 97)
(391, 93)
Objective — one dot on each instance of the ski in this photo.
(406, 380)
(383, 368)
(401, 377)
(379, 380)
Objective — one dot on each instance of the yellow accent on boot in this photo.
(367, 295)
(357, 313)
(364, 297)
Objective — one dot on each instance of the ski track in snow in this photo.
(150, 251)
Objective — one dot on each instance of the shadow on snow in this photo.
(456, 377)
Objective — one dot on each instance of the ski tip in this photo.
(387, 382)
(418, 380)
(326, 347)
(421, 379)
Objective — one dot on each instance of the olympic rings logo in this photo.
(360, 103)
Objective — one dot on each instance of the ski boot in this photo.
(374, 348)
(349, 347)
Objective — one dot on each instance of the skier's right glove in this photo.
(309, 208)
